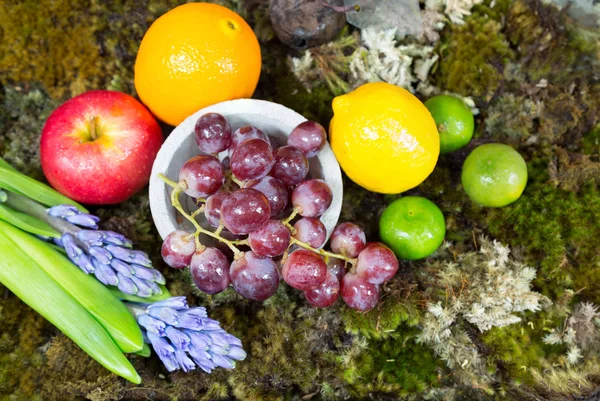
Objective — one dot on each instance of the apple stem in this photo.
(93, 128)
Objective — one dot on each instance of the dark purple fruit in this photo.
(306, 23)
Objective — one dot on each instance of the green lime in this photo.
(494, 175)
(454, 121)
(413, 227)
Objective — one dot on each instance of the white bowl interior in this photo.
(273, 119)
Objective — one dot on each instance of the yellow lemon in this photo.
(384, 138)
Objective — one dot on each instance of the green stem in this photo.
(23, 204)
(167, 181)
(177, 205)
(291, 217)
(232, 178)
(322, 252)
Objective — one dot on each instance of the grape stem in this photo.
(177, 189)
(167, 181)
(199, 230)
(322, 252)
(286, 222)
(232, 178)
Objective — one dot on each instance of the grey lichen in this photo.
(580, 333)
(485, 289)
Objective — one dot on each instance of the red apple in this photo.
(98, 147)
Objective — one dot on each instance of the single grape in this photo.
(325, 294)
(274, 190)
(311, 231)
(312, 198)
(252, 159)
(254, 277)
(304, 270)
(309, 137)
(178, 248)
(210, 270)
(348, 239)
(376, 263)
(337, 267)
(270, 241)
(359, 294)
(244, 133)
(203, 175)
(213, 133)
(291, 166)
(244, 211)
(212, 208)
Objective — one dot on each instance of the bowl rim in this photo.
(158, 191)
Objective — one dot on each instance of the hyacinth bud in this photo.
(185, 338)
(106, 254)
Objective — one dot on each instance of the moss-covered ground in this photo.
(534, 75)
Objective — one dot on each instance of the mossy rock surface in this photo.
(534, 75)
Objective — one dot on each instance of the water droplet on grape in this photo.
(309, 137)
(253, 277)
(244, 211)
(304, 270)
(312, 198)
(203, 175)
(178, 248)
(311, 230)
(212, 133)
(348, 239)
(376, 263)
(359, 294)
(210, 270)
(271, 240)
(291, 166)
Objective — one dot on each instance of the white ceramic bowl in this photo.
(273, 119)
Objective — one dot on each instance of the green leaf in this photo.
(14, 181)
(27, 223)
(85, 289)
(5, 164)
(144, 352)
(134, 298)
(25, 278)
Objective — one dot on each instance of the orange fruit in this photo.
(193, 56)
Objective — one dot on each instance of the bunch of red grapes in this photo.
(271, 221)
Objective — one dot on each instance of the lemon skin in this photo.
(384, 138)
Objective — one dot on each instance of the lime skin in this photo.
(494, 175)
(454, 121)
(413, 227)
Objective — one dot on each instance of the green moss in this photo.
(562, 51)
(61, 48)
(22, 118)
(513, 118)
(557, 228)
(517, 349)
(20, 356)
(472, 57)
(394, 309)
(72, 46)
(591, 143)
